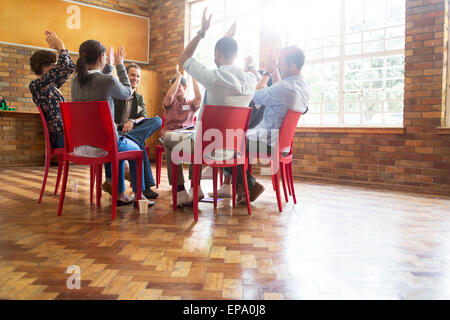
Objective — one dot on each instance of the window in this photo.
(354, 58)
(225, 12)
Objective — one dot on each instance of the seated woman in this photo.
(179, 114)
(93, 84)
(52, 75)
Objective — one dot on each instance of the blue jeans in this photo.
(141, 132)
(125, 144)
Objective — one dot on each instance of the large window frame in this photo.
(385, 117)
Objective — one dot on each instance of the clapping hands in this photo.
(53, 41)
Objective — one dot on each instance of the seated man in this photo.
(292, 93)
(179, 113)
(228, 85)
(131, 120)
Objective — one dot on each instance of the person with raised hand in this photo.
(228, 85)
(52, 71)
(94, 82)
(179, 113)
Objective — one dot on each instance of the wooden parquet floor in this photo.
(337, 243)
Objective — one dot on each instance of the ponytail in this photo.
(89, 51)
(82, 70)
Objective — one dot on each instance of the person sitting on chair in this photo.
(179, 113)
(228, 85)
(52, 73)
(94, 82)
(288, 92)
(131, 120)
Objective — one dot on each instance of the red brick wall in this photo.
(15, 75)
(167, 23)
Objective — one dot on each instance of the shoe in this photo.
(224, 191)
(121, 203)
(200, 193)
(150, 203)
(106, 186)
(256, 191)
(150, 194)
(183, 199)
(127, 176)
(240, 195)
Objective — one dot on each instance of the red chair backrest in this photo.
(88, 123)
(287, 129)
(44, 124)
(230, 122)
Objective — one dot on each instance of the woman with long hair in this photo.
(94, 82)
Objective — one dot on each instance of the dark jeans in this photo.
(59, 143)
(261, 148)
(141, 132)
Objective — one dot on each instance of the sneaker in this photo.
(257, 190)
(150, 194)
(183, 199)
(240, 195)
(200, 193)
(123, 200)
(224, 191)
(106, 186)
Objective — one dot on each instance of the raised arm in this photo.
(120, 90)
(64, 66)
(171, 93)
(188, 52)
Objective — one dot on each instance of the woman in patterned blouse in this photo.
(45, 89)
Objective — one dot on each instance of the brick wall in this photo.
(167, 22)
(15, 76)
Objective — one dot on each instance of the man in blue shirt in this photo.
(288, 92)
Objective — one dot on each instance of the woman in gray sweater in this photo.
(94, 82)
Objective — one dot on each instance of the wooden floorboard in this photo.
(338, 242)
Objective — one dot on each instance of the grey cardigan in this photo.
(103, 86)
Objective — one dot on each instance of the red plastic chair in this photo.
(159, 150)
(90, 123)
(286, 138)
(49, 153)
(218, 119)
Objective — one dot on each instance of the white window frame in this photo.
(341, 59)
